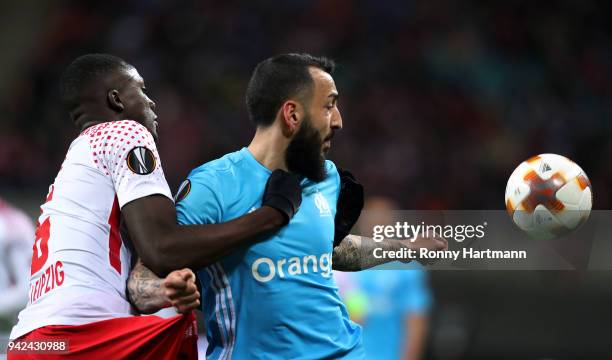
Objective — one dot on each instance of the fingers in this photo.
(187, 308)
(179, 279)
(435, 244)
(187, 274)
(182, 291)
(186, 299)
(431, 244)
(176, 293)
(187, 303)
(441, 244)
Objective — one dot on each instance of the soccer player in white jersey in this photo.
(112, 176)
(16, 234)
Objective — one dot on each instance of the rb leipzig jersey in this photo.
(79, 263)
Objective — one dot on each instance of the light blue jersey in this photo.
(276, 299)
(381, 300)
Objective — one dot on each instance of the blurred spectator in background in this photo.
(16, 239)
(391, 305)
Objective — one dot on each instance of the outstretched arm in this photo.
(163, 245)
(355, 253)
(348, 255)
(149, 294)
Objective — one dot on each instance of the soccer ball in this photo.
(548, 196)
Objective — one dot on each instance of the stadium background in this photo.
(440, 100)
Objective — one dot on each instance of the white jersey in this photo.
(79, 263)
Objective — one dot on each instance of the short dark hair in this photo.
(278, 78)
(84, 71)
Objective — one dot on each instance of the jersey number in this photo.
(40, 250)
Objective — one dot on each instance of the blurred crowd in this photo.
(440, 99)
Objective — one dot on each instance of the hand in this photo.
(181, 291)
(349, 206)
(283, 193)
(429, 243)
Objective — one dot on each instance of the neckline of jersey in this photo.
(246, 153)
(251, 159)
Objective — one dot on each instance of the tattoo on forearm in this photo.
(355, 253)
(346, 256)
(145, 290)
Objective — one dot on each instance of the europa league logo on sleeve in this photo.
(141, 160)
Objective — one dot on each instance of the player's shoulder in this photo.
(119, 142)
(117, 126)
(215, 176)
(217, 173)
(223, 167)
(125, 132)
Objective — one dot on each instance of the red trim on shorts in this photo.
(134, 337)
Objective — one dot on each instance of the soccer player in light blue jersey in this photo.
(392, 306)
(277, 299)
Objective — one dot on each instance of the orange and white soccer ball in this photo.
(548, 196)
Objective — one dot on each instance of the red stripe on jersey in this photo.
(114, 239)
(50, 195)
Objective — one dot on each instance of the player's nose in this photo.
(336, 121)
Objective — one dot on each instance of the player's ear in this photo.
(291, 116)
(114, 101)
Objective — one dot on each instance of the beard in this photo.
(304, 155)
